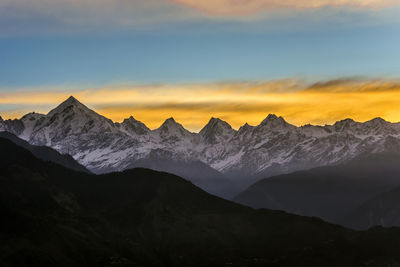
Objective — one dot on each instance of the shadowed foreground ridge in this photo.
(46, 153)
(53, 216)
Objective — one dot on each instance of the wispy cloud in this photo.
(235, 7)
(60, 16)
(22, 17)
(237, 103)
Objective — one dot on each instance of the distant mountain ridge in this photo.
(343, 194)
(252, 152)
(46, 153)
(381, 210)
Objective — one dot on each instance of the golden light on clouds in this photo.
(235, 7)
(194, 104)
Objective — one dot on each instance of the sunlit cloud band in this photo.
(237, 103)
(229, 7)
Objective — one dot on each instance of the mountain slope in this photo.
(197, 172)
(46, 153)
(216, 131)
(326, 192)
(380, 210)
(52, 216)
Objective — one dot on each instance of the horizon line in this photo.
(211, 118)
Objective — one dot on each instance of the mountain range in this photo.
(231, 158)
(55, 216)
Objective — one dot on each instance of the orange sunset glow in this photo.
(236, 103)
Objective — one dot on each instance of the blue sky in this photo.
(188, 46)
(157, 57)
(79, 47)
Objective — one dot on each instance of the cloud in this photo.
(245, 7)
(25, 17)
(194, 104)
(347, 85)
(55, 16)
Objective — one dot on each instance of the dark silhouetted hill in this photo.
(54, 216)
(326, 192)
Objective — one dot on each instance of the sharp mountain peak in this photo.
(134, 126)
(271, 117)
(72, 99)
(70, 102)
(214, 122)
(130, 120)
(344, 122)
(245, 127)
(274, 120)
(102, 145)
(169, 124)
(170, 120)
(73, 105)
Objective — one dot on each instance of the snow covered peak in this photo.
(345, 125)
(374, 127)
(272, 118)
(345, 121)
(379, 126)
(215, 123)
(102, 145)
(131, 120)
(71, 119)
(377, 121)
(72, 100)
(217, 130)
(29, 121)
(170, 121)
(133, 126)
(32, 116)
(70, 105)
(245, 128)
(171, 128)
(73, 110)
(215, 120)
(315, 130)
(170, 125)
(276, 123)
(14, 126)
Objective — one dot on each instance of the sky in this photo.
(192, 59)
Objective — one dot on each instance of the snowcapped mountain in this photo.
(13, 126)
(172, 131)
(133, 127)
(216, 131)
(273, 147)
